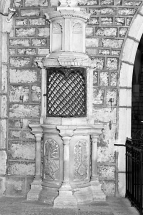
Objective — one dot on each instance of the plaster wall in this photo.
(112, 36)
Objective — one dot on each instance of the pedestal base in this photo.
(33, 194)
(65, 200)
(83, 195)
(48, 194)
(98, 195)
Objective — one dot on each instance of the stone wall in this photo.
(106, 33)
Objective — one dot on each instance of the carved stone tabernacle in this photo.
(69, 174)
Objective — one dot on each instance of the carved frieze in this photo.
(51, 159)
(80, 160)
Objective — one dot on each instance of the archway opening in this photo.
(137, 95)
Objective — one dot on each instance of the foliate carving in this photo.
(51, 159)
(57, 28)
(77, 28)
(80, 160)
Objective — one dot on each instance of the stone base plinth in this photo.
(48, 194)
(65, 200)
(83, 195)
(98, 194)
(33, 194)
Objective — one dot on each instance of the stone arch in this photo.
(125, 88)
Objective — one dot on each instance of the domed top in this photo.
(68, 3)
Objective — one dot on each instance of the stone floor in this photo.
(19, 206)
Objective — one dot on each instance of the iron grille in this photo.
(66, 92)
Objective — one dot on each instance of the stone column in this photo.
(94, 158)
(97, 192)
(66, 198)
(36, 187)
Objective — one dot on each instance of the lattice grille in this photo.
(66, 95)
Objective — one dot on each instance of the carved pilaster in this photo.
(97, 192)
(36, 187)
(65, 198)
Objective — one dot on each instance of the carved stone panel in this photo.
(52, 160)
(80, 159)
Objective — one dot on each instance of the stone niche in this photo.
(69, 175)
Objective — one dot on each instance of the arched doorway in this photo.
(125, 90)
(137, 94)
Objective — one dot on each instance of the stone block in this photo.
(43, 51)
(39, 42)
(103, 155)
(107, 2)
(108, 188)
(111, 94)
(2, 186)
(22, 151)
(92, 42)
(19, 42)
(3, 133)
(38, 21)
(18, 3)
(122, 32)
(137, 28)
(27, 135)
(129, 51)
(118, 2)
(3, 106)
(31, 12)
(36, 93)
(3, 161)
(104, 51)
(4, 48)
(30, 3)
(113, 79)
(17, 123)
(107, 11)
(112, 63)
(106, 172)
(104, 114)
(89, 31)
(104, 78)
(21, 168)
(14, 123)
(4, 79)
(108, 32)
(125, 97)
(93, 21)
(26, 51)
(15, 134)
(120, 21)
(98, 96)
(17, 91)
(95, 78)
(17, 186)
(22, 22)
(23, 75)
(126, 75)
(91, 51)
(128, 21)
(12, 51)
(22, 111)
(126, 11)
(106, 20)
(132, 3)
(90, 3)
(115, 52)
(20, 61)
(112, 43)
(98, 63)
(25, 32)
(43, 32)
